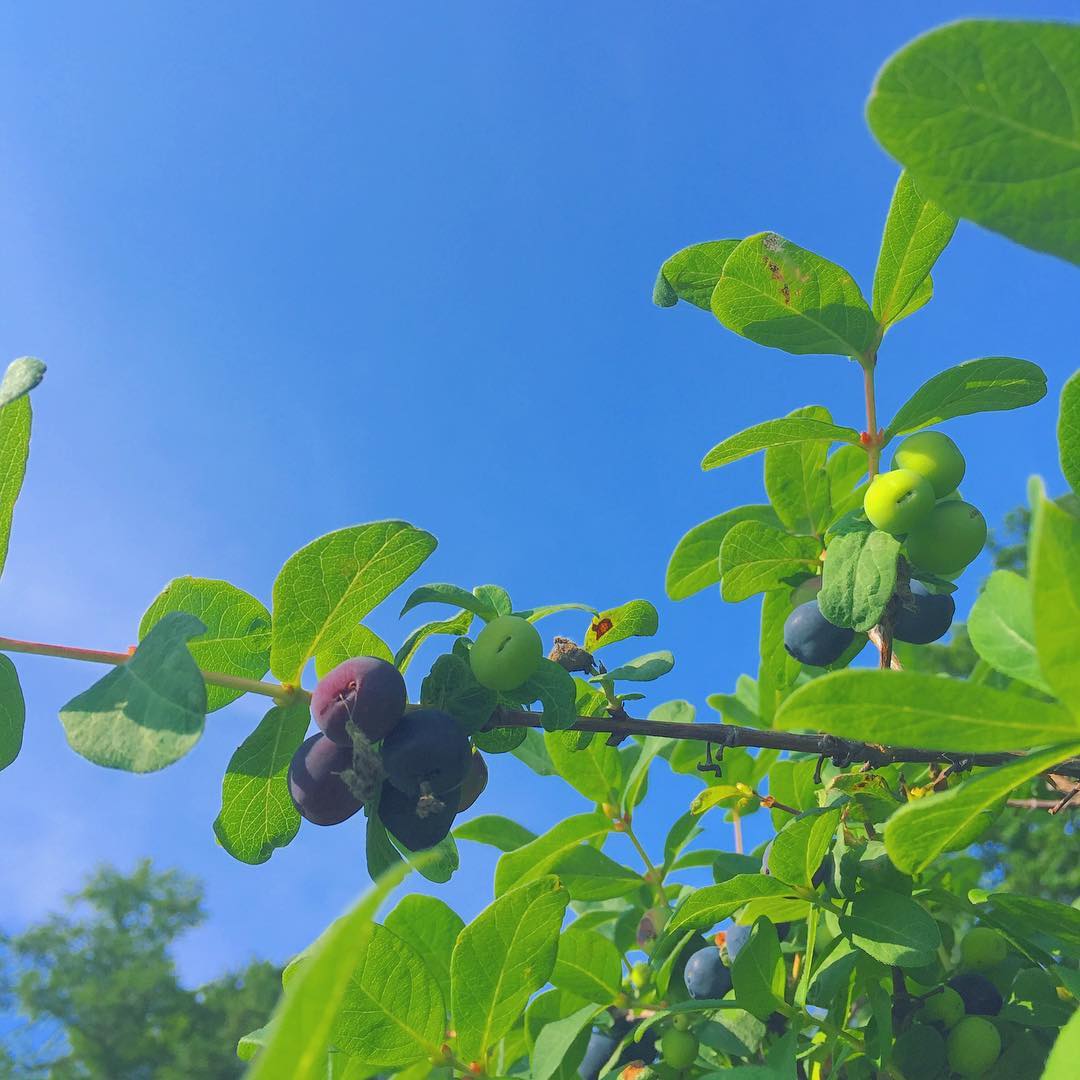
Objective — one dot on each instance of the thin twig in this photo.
(1052, 805)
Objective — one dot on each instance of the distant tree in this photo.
(98, 994)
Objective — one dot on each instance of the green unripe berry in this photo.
(679, 1049)
(681, 1021)
(982, 949)
(945, 1008)
(935, 456)
(920, 1052)
(973, 1046)
(640, 975)
(948, 538)
(506, 653)
(897, 501)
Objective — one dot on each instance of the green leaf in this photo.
(796, 480)
(379, 853)
(846, 467)
(553, 686)
(595, 771)
(695, 562)
(781, 668)
(566, 850)
(257, 813)
(1061, 1064)
(783, 432)
(555, 1040)
(22, 376)
(859, 576)
(359, 641)
(1001, 626)
(14, 449)
(909, 708)
(482, 605)
(589, 965)
(456, 626)
(714, 903)
(237, 637)
(496, 596)
(1068, 431)
(500, 740)
(328, 587)
(532, 751)
(916, 232)
(147, 712)
(1054, 548)
(692, 274)
(302, 1022)
(501, 959)
(12, 713)
(392, 1011)
(494, 829)
(432, 928)
(891, 928)
(922, 296)
(783, 296)
(452, 687)
(801, 845)
(636, 618)
(981, 112)
(924, 828)
(645, 668)
(990, 384)
(1031, 918)
(538, 613)
(756, 557)
(758, 974)
(438, 863)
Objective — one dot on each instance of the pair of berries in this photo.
(430, 771)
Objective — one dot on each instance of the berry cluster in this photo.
(422, 773)
(917, 502)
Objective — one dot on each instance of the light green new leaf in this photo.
(695, 562)
(891, 928)
(846, 468)
(589, 965)
(924, 828)
(452, 688)
(494, 829)
(14, 450)
(22, 376)
(302, 1022)
(922, 296)
(756, 557)
(859, 576)
(455, 595)
(782, 432)
(501, 959)
(359, 641)
(635, 618)
(910, 708)
(916, 232)
(257, 813)
(989, 384)
(796, 479)
(1055, 582)
(553, 686)
(12, 713)
(147, 712)
(1061, 1064)
(432, 927)
(800, 846)
(567, 850)
(556, 1038)
(328, 587)
(1001, 626)
(758, 974)
(237, 637)
(643, 668)
(781, 295)
(692, 274)
(1068, 432)
(595, 771)
(392, 1012)
(714, 903)
(456, 626)
(982, 113)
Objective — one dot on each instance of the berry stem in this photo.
(873, 450)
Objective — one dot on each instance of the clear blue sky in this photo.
(294, 269)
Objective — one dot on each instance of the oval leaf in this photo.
(780, 432)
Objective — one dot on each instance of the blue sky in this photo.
(315, 268)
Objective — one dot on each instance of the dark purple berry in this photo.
(427, 752)
(366, 690)
(475, 781)
(315, 785)
(417, 822)
(925, 617)
(811, 639)
(980, 996)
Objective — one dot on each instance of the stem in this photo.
(279, 691)
(736, 822)
(873, 450)
(653, 874)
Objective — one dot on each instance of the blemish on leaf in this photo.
(785, 292)
(601, 627)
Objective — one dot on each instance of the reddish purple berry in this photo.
(366, 690)
(315, 784)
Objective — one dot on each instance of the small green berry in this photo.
(678, 1048)
(973, 1046)
(982, 949)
